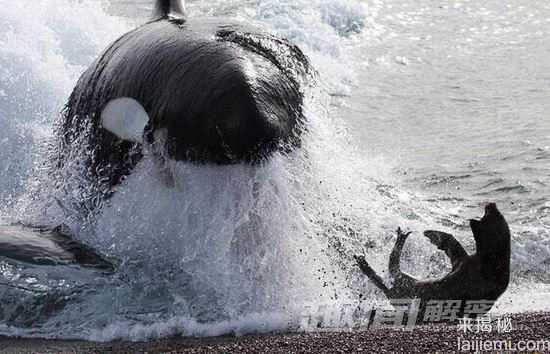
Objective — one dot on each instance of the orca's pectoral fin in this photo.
(448, 244)
(83, 255)
(49, 246)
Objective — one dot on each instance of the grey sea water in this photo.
(424, 111)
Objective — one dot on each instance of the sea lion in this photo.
(483, 276)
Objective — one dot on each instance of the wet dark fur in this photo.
(481, 276)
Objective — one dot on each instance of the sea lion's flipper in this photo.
(448, 244)
(368, 271)
(395, 256)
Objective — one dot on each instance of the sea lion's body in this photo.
(483, 276)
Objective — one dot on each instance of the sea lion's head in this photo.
(492, 230)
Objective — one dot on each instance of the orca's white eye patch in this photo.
(126, 118)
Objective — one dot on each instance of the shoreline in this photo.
(426, 338)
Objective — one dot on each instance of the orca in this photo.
(199, 90)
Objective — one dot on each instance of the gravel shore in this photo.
(436, 338)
